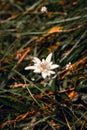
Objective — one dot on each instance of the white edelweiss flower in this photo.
(68, 66)
(45, 67)
(44, 9)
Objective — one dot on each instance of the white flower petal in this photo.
(50, 63)
(54, 66)
(37, 66)
(37, 71)
(30, 68)
(51, 72)
(43, 60)
(69, 63)
(36, 60)
(44, 75)
(48, 59)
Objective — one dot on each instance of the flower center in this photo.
(44, 67)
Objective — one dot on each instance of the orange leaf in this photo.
(54, 29)
(23, 56)
(50, 31)
(72, 95)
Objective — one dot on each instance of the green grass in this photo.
(26, 32)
